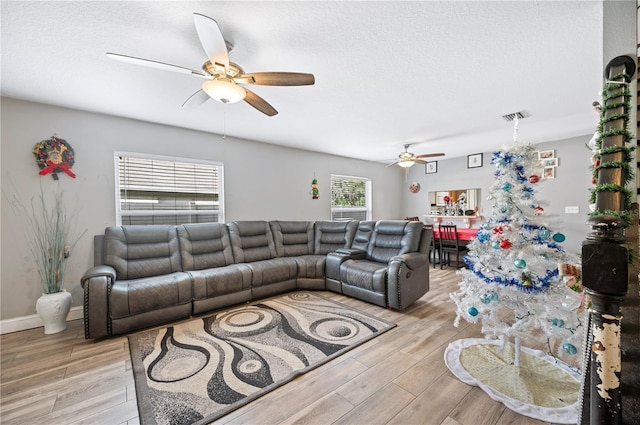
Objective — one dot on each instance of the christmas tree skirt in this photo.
(541, 387)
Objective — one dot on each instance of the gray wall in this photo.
(569, 188)
(261, 182)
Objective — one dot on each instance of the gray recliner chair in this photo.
(140, 282)
(392, 272)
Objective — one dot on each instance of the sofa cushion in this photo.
(136, 296)
(271, 271)
(142, 251)
(364, 274)
(391, 238)
(220, 281)
(251, 241)
(292, 238)
(311, 266)
(330, 236)
(204, 246)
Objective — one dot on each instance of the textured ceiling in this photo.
(435, 74)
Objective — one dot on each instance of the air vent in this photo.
(512, 116)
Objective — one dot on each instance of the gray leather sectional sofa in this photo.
(148, 275)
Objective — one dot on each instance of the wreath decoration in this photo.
(53, 156)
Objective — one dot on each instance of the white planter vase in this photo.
(53, 310)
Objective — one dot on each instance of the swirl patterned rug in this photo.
(197, 371)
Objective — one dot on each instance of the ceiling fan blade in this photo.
(196, 99)
(419, 161)
(259, 103)
(280, 78)
(211, 39)
(393, 163)
(429, 155)
(155, 64)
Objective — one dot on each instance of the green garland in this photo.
(614, 90)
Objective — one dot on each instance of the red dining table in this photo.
(464, 234)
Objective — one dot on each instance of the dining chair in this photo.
(434, 246)
(450, 244)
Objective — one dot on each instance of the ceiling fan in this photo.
(407, 159)
(223, 76)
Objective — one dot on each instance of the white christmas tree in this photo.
(513, 284)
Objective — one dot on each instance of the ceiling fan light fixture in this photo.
(224, 90)
(406, 163)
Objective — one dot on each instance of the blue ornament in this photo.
(493, 295)
(520, 263)
(483, 237)
(526, 195)
(474, 312)
(486, 299)
(558, 237)
(544, 233)
(495, 244)
(506, 186)
(557, 322)
(569, 348)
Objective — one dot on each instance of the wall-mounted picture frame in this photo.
(546, 154)
(431, 167)
(549, 173)
(474, 160)
(549, 162)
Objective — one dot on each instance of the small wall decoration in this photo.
(414, 187)
(315, 192)
(549, 162)
(431, 167)
(53, 156)
(546, 154)
(474, 160)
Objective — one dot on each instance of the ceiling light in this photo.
(224, 90)
(405, 163)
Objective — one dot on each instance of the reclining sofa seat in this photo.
(140, 283)
(207, 257)
(392, 272)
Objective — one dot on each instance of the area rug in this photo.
(197, 371)
(542, 387)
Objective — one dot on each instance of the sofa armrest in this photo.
(96, 284)
(412, 260)
(408, 279)
(354, 254)
(97, 271)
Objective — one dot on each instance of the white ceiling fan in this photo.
(223, 76)
(407, 159)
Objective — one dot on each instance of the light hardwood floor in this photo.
(397, 378)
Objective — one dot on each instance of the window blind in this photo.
(155, 190)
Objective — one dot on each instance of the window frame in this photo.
(220, 212)
(367, 197)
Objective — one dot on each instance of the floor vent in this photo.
(512, 116)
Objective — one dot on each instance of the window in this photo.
(163, 190)
(350, 198)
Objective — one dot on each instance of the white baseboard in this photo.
(33, 321)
